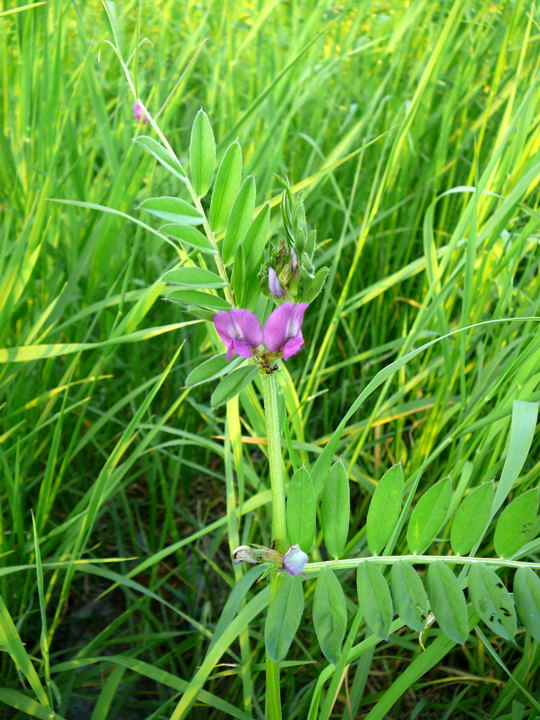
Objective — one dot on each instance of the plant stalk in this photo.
(417, 559)
(279, 528)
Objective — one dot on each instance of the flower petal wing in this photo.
(275, 328)
(283, 326)
(293, 346)
(249, 325)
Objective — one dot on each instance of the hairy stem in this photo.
(419, 559)
(275, 461)
(279, 529)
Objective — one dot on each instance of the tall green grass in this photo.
(115, 527)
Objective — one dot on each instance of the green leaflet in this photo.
(410, 598)
(527, 597)
(428, 516)
(448, 602)
(196, 298)
(172, 209)
(228, 179)
(190, 236)
(254, 242)
(162, 155)
(384, 509)
(211, 369)
(516, 524)
(256, 238)
(471, 519)
(492, 601)
(522, 429)
(284, 615)
(329, 614)
(239, 220)
(335, 510)
(232, 384)
(239, 277)
(202, 153)
(374, 599)
(194, 277)
(301, 510)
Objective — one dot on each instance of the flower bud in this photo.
(288, 272)
(273, 283)
(294, 560)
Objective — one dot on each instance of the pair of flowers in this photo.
(242, 333)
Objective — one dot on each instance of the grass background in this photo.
(98, 438)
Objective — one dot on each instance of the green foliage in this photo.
(284, 615)
(239, 220)
(335, 510)
(410, 598)
(172, 209)
(232, 384)
(429, 516)
(301, 510)
(492, 601)
(471, 519)
(517, 524)
(329, 614)
(193, 277)
(190, 236)
(527, 597)
(162, 155)
(226, 186)
(210, 369)
(374, 599)
(384, 509)
(202, 153)
(448, 602)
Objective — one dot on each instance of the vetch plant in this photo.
(310, 513)
(405, 422)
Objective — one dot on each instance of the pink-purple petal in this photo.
(293, 346)
(283, 326)
(275, 328)
(239, 330)
(241, 347)
(249, 325)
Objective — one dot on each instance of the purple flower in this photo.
(294, 560)
(138, 112)
(240, 331)
(283, 329)
(273, 283)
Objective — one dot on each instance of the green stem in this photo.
(419, 559)
(279, 528)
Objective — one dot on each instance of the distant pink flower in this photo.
(283, 329)
(138, 112)
(241, 332)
